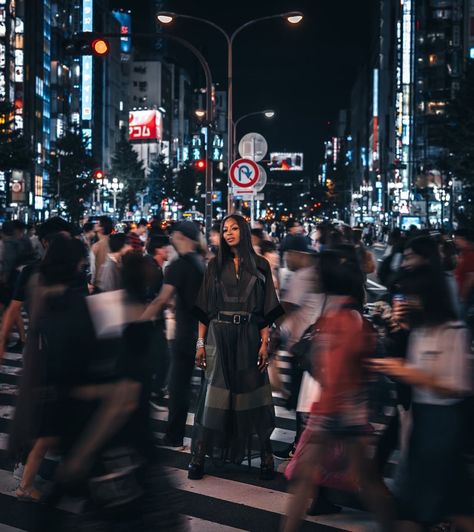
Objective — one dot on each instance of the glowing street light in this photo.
(166, 18)
(294, 18)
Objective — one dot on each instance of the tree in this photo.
(460, 142)
(128, 169)
(186, 183)
(160, 180)
(70, 172)
(15, 153)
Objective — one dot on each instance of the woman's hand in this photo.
(262, 361)
(395, 367)
(201, 358)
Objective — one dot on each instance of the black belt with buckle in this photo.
(236, 319)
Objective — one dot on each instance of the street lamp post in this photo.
(115, 186)
(268, 113)
(209, 119)
(293, 17)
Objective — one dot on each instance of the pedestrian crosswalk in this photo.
(229, 498)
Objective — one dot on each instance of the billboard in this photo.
(86, 81)
(145, 125)
(125, 20)
(286, 161)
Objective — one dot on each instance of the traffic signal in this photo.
(100, 47)
(87, 43)
(200, 164)
(98, 174)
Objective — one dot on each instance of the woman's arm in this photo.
(262, 361)
(201, 351)
(416, 377)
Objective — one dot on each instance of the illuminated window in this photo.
(38, 185)
(432, 59)
(436, 108)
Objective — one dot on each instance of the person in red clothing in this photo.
(344, 340)
(464, 273)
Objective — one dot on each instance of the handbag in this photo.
(303, 350)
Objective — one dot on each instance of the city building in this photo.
(398, 110)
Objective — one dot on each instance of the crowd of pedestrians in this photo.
(120, 317)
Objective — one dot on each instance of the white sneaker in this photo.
(18, 471)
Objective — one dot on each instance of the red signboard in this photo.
(144, 125)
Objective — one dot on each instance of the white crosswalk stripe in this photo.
(241, 493)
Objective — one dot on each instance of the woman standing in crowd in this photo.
(236, 305)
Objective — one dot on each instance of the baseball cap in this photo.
(297, 243)
(188, 229)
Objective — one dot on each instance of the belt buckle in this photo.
(236, 319)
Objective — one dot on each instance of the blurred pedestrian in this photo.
(110, 276)
(236, 305)
(464, 240)
(157, 249)
(38, 415)
(432, 484)
(341, 413)
(182, 279)
(104, 228)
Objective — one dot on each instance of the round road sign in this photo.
(244, 173)
(262, 179)
(253, 146)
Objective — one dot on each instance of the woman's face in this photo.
(231, 232)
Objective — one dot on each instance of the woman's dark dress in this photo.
(236, 398)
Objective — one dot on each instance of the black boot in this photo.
(196, 466)
(267, 465)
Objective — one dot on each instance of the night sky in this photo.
(304, 72)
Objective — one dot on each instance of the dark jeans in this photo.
(160, 359)
(182, 366)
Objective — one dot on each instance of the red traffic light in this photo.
(200, 164)
(98, 174)
(100, 47)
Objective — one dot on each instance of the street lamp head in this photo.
(269, 113)
(200, 113)
(166, 17)
(295, 17)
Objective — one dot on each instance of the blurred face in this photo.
(180, 242)
(296, 229)
(214, 238)
(141, 230)
(412, 261)
(255, 242)
(273, 258)
(162, 253)
(231, 232)
(125, 249)
(99, 229)
(292, 260)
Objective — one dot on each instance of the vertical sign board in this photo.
(86, 83)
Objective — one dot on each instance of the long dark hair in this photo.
(61, 262)
(245, 249)
(340, 273)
